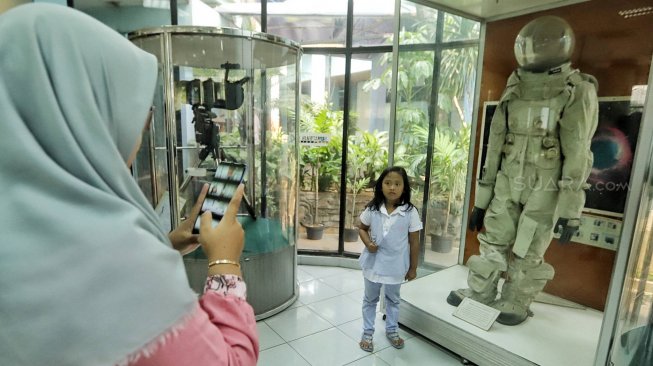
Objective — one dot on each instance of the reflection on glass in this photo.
(367, 151)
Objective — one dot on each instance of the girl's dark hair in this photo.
(379, 199)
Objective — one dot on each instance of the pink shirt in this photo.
(221, 330)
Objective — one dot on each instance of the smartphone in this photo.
(228, 176)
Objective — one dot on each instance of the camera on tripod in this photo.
(203, 96)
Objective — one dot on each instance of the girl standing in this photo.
(389, 229)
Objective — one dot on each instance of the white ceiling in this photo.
(500, 9)
(480, 9)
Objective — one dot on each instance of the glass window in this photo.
(373, 22)
(367, 151)
(241, 14)
(321, 115)
(313, 23)
(418, 23)
(457, 28)
(414, 80)
(450, 156)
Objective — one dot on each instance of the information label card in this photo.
(476, 314)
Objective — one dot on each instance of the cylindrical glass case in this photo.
(228, 96)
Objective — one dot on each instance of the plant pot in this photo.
(351, 235)
(314, 232)
(441, 243)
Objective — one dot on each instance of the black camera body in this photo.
(207, 133)
(202, 96)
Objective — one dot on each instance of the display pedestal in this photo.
(554, 336)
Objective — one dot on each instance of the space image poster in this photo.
(613, 146)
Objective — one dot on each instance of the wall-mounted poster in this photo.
(613, 146)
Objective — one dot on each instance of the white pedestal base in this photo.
(554, 336)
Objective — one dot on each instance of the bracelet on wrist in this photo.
(224, 261)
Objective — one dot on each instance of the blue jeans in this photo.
(371, 298)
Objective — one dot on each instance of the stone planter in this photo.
(351, 235)
(441, 243)
(314, 232)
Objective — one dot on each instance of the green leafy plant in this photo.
(449, 170)
(318, 162)
(357, 155)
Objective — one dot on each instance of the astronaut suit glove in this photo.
(476, 219)
(566, 228)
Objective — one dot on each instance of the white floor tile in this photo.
(417, 352)
(314, 290)
(303, 276)
(328, 348)
(282, 355)
(337, 310)
(356, 295)
(267, 337)
(324, 271)
(296, 304)
(296, 323)
(371, 360)
(346, 282)
(323, 327)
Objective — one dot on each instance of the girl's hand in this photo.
(372, 247)
(225, 241)
(182, 238)
(411, 275)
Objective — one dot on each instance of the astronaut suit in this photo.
(538, 161)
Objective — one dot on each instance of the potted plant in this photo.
(356, 184)
(319, 163)
(314, 227)
(367, 156)
(448, 169)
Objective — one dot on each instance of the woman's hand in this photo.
(225, 241)
(182, 237)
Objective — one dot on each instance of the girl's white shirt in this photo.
(388, 220)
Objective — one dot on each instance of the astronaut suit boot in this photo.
(537, 163)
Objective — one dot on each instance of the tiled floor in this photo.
(324, 325)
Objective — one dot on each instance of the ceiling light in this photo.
(636, 12)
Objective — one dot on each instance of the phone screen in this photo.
(222, 187)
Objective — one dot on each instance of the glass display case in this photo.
(228, 96)
(631, 333)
